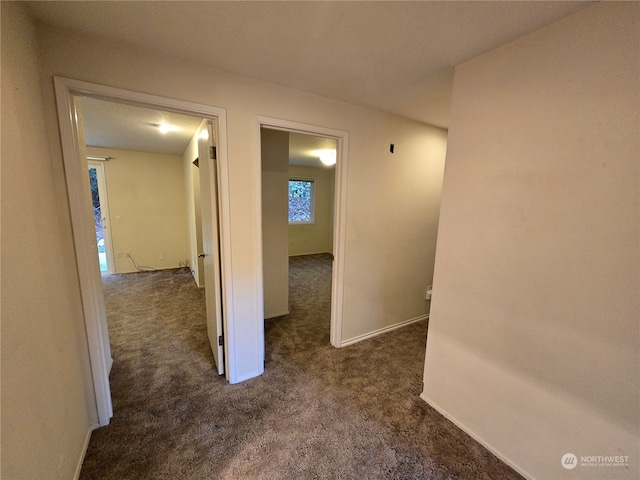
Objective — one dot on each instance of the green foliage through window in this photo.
(300, 201)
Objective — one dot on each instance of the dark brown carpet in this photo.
(317, 412)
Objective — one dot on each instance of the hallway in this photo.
(316, 412)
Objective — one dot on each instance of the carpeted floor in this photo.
(317, 412)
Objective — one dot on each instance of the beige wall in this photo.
(148, 192)
(389, 256)
(393, 207)
(533, 341)
(318, 236)
(275, 205)
(47, 397)
(194, 218)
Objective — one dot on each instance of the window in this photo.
(301, 200)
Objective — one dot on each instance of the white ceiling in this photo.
(127, 127)
(302, 149)
(394, 56)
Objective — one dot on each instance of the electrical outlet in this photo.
(161, 256)
(118, 254)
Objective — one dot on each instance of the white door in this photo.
(211, 239)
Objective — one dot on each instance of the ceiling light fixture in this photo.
(165, 127)
(328, 157)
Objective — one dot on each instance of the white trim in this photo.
(380, 331)
(307, 178)
(339, 219)
(83, 452)
(275, 315)
(84, 237)
(339, 240)
(257, 198)
(66, 89)
(474, 435)
(310, 253)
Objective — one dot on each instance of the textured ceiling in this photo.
(303, 148)
(127, 127)
(394, 56)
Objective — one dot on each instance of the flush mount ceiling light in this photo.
(165, 127)
(328, 157)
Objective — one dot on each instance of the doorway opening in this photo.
(69, 95)
(161, 215)
(298, 191)
(302, 212)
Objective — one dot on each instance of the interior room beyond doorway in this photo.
(298, 190)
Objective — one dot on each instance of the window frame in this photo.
(312, 180)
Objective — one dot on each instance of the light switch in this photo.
(118, 219)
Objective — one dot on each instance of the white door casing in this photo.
(339, 218)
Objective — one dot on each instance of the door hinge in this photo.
(220, 340)
(213, 153)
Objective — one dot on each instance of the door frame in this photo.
(339, 209)
(75, 166)
(104, 209)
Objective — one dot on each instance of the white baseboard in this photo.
(76, 476)
(274, 315)
(473, 435)
(380, 331)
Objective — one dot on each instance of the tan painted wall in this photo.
(318, 236)
(533, 341)
(393, 209)
(192, 185)
(275, 204)
(47, 397)
(389, 256)
(148, 192)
